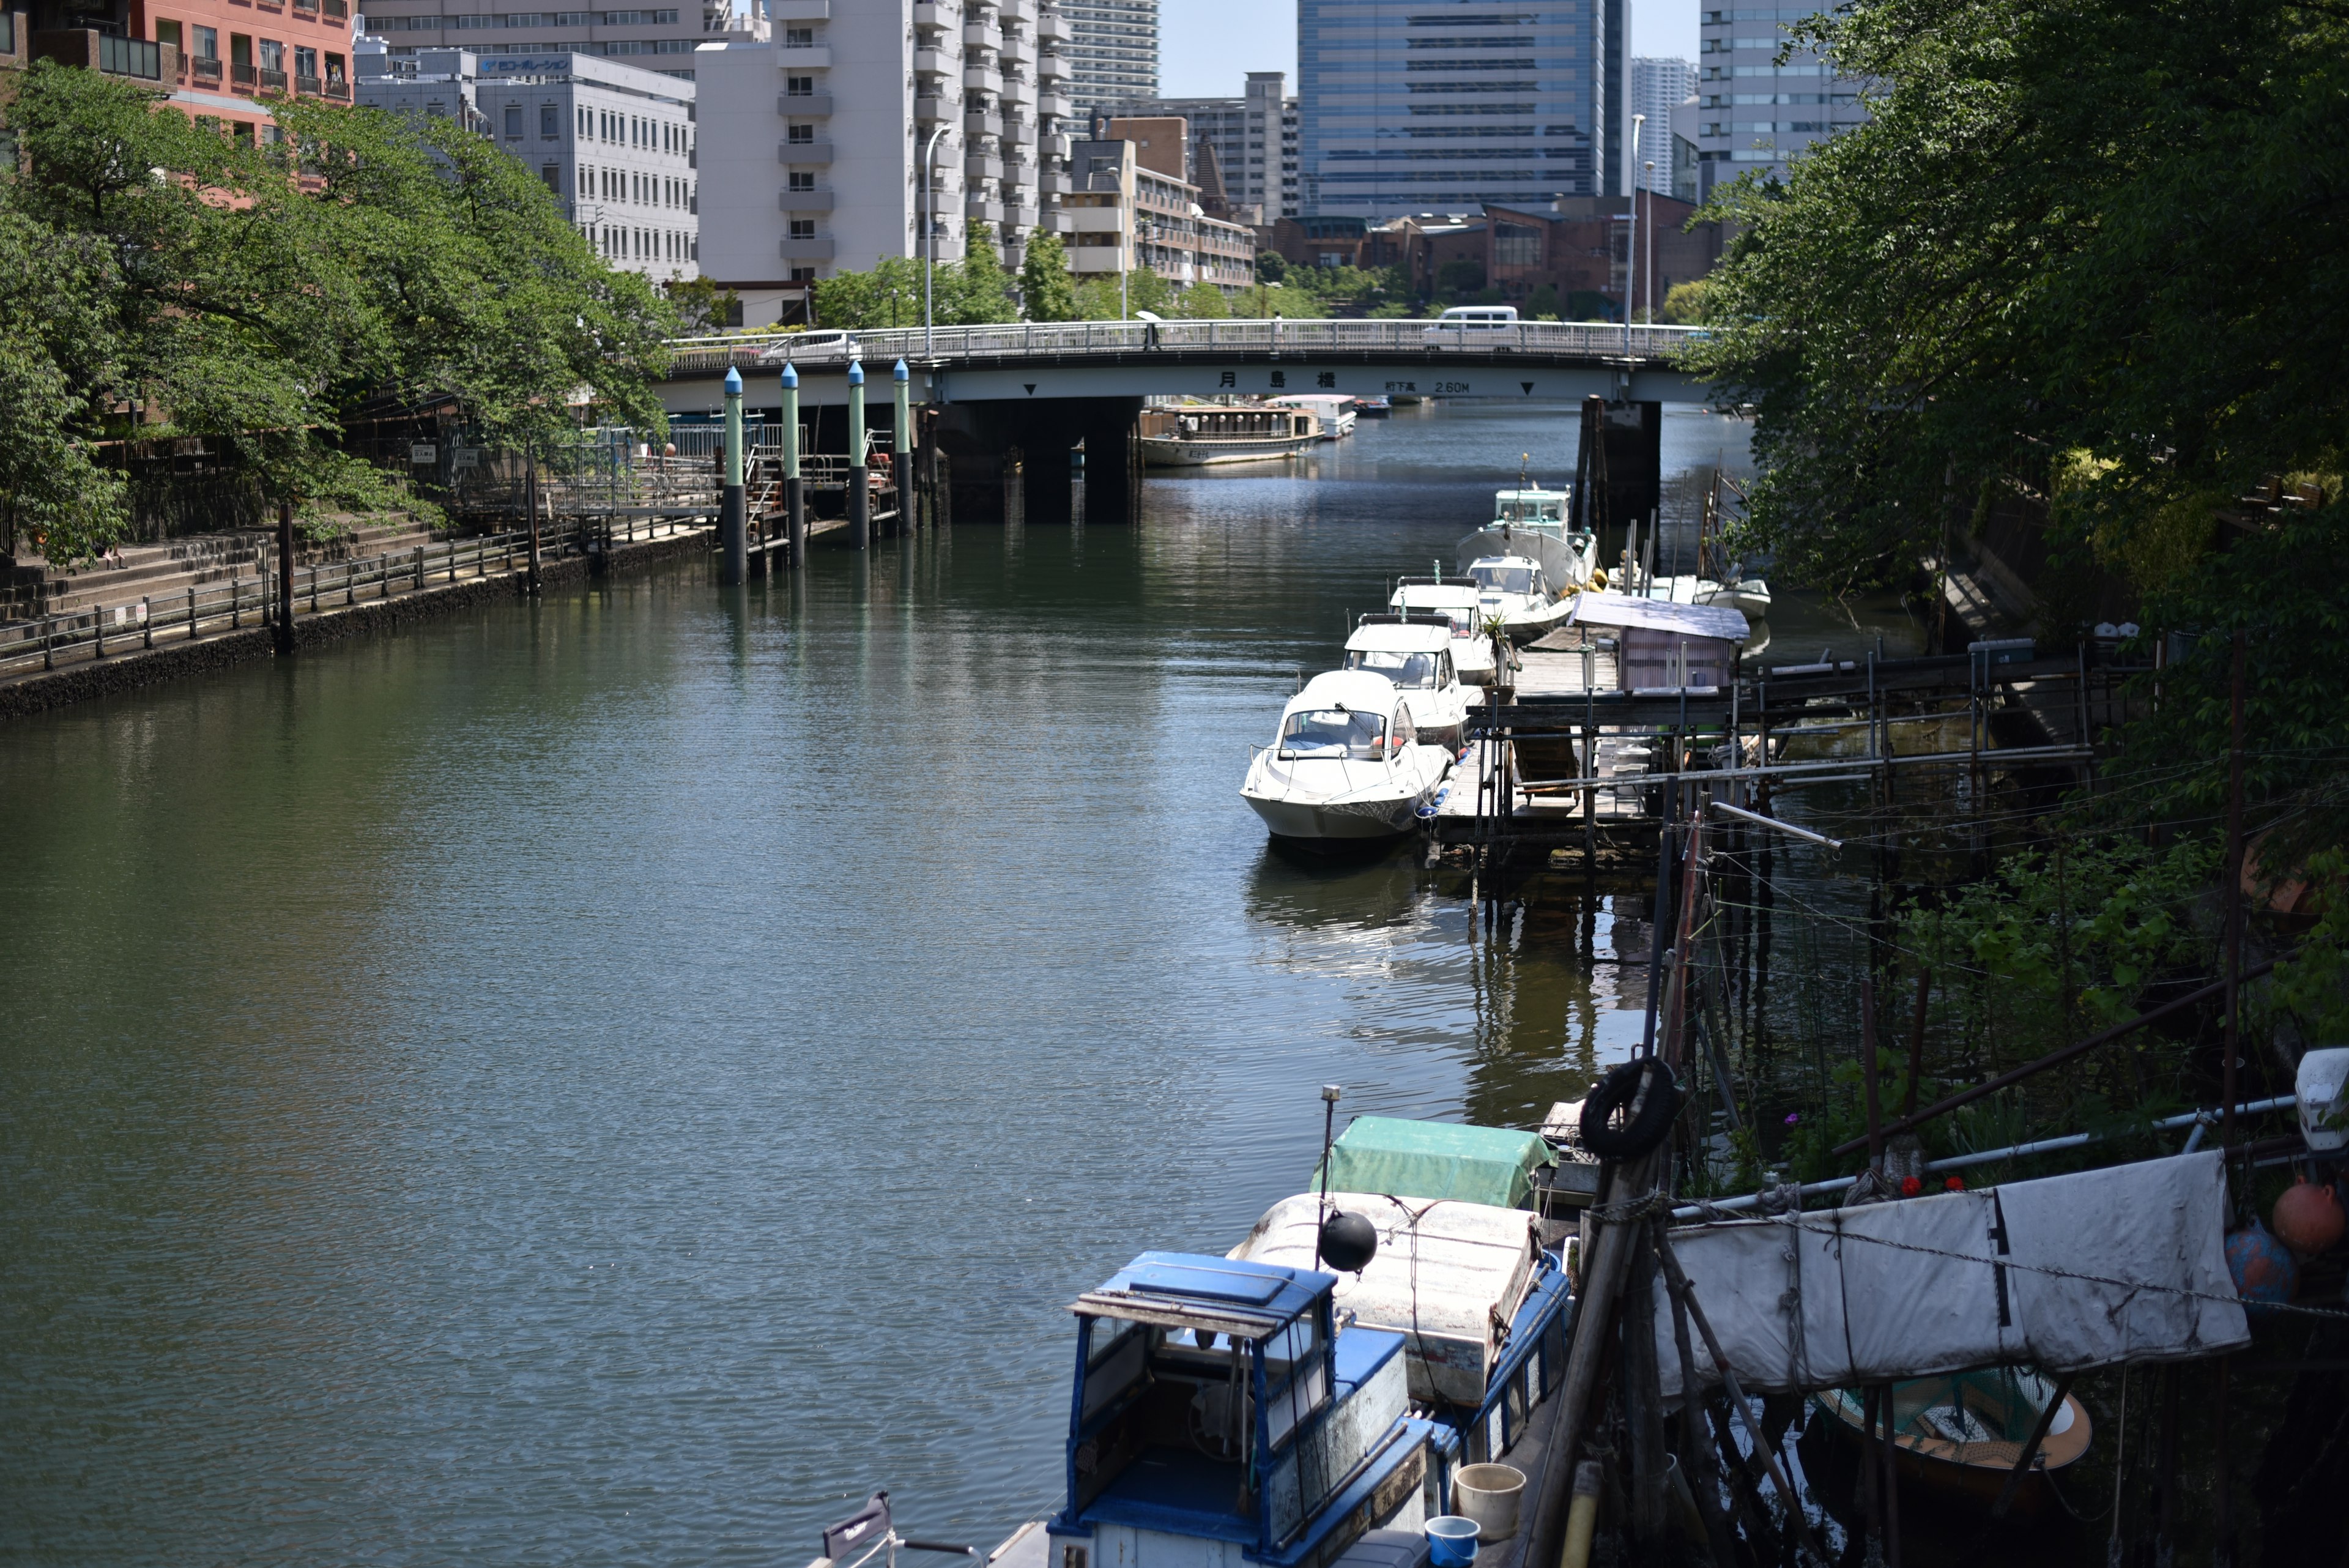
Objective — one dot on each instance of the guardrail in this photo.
(1027, 339)
(231, 605)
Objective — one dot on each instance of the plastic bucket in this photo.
(1451, 1541)
(1489, 1494)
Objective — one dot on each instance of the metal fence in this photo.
(184, 616)
(1019, 341)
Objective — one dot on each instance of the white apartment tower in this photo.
(1113, 51)
(1255, 139)
(656, 37)
(816, 141)
(1659, 86)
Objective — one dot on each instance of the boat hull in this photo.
(1354, 822)
(1974, 1473)
(1166, 452)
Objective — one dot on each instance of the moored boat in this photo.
(1417, 656)
(1346, 767)
(1189, 435)
(1962, 1433)
(1454, 601)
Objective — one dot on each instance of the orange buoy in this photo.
(2307, 1217)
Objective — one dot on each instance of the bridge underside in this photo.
(1194, 373)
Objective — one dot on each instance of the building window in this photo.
(802, 179)
(803, 275)
(799, 38)
(513, 122)
(553, 174)
(207, 43)
(799, 87)
(800, 135)
(550, 123)
(802, 228)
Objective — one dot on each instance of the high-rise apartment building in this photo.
(1254, 135)
(1755, 113)
(817, 139)
(1659, 86)
(658, 38)
(614, 142)
(1409, 106)
(1113, 51)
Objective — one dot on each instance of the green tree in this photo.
(1271, 266)
(1202, 302)
(888, 295)
(1045, 286)
(1542, 305)
(703, 307)
(1684, 303)
(979, 290)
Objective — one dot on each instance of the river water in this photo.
(615, 1080)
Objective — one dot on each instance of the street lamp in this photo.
(930, 232)
(1648, 271)
(1632, 251)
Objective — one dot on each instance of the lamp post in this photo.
(730, 532)
(1647, 268)
(929, 232)
(860, 492)
(794, 497)
(901, 460)
(1632, 249)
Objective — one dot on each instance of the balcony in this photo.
(979, 122)
(806, 201)
(1098, 221)
(928, 15)
(338, 87)
(980, 167)
(93, 50)
(818, 249)
(935, 63)
(313, 86)
(980, 209)
(803, 105)
(1055, 102)
(204, 70)
(1024, 215)
(1053, 147)
(782, 11)
(1055, 182)
(979, 78)
(806, 57)
(928, 112)
(803, 153)
(242, 76)
(338, 11)
(1017, 51)
(1052, 27)
(1018, 90)
(308, 8)
(1051, 68)
(271, 80)
(979, 36)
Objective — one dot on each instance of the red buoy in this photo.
(2307, 1217)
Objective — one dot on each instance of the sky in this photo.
(1206, 47)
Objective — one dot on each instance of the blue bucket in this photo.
(1451, 1541)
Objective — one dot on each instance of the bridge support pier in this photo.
(1113, 459)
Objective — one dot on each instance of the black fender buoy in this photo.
(1349, 1243)
(1621, 1122)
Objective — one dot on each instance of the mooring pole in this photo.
(901, 462)
(529, 504)
(731, 533)
(284, 575)
(794, 497)
(860, 490)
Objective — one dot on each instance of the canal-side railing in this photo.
(185, 615)
(1016, 340)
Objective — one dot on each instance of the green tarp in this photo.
(1435, 1159)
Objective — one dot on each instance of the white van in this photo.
(1462, 320)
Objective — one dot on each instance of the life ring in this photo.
(1644, 1127)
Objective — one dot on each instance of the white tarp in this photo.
(2128, 1263)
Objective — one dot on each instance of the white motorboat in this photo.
(1518, 591)
(1417, 656)
(1530, 527)
(1348, 765)
(1749, 595)
(1454, 600)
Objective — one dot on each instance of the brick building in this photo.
(214, 59)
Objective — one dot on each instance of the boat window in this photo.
(1405, 732)
(1403, 669)
(1553, 511)
(1332, 733)
(1115, 1366)
(1296, 1376)
(1444, 672)
(1505, 579)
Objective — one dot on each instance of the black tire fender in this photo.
(1647, 1116)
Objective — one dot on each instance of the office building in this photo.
(1131, 208)
(210, 58)
(1756, 113)
(1254, 138)
(1113, 51)
(614, 142)
(661, 37)
(821, 131)
(1409, 107)
(1659, 86)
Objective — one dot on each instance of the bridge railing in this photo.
(1022, 340)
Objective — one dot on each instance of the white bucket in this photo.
(1489, 1494)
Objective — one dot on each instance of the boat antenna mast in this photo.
(1330, 1093)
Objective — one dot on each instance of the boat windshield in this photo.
(1403, 669)
(1516, 510)
(1505, 579)
(1332, 733)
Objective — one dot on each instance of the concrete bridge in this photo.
(1018, 399)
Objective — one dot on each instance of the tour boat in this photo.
(1374, 407)
(1347, 766)
(1190, 435)
(1453, 600)
(1334, 409)
(1417, 656)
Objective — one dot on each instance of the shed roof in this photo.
(1610, 608)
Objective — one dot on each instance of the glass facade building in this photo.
(1754, 112)
(1420, 106)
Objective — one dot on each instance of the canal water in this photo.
(618, 1079)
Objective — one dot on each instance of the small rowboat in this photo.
(1960, 1435)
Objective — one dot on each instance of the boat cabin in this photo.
(1345, 716)
(1414, 655)
(1663, 646)
(1214, 423)
(1529, 508)
(1509, 575)
(1221, 1414)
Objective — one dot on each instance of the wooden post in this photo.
(285, 577)
(1643, 1400)
(530, 500)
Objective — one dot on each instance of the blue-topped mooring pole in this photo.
(901, 460)
(860, 492)
(794, 498)
(732, 533)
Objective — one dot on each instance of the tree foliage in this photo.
(1046, 290)
(967, 293)
(184, 283)
(2087, 230)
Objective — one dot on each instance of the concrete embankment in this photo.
(39, 690)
